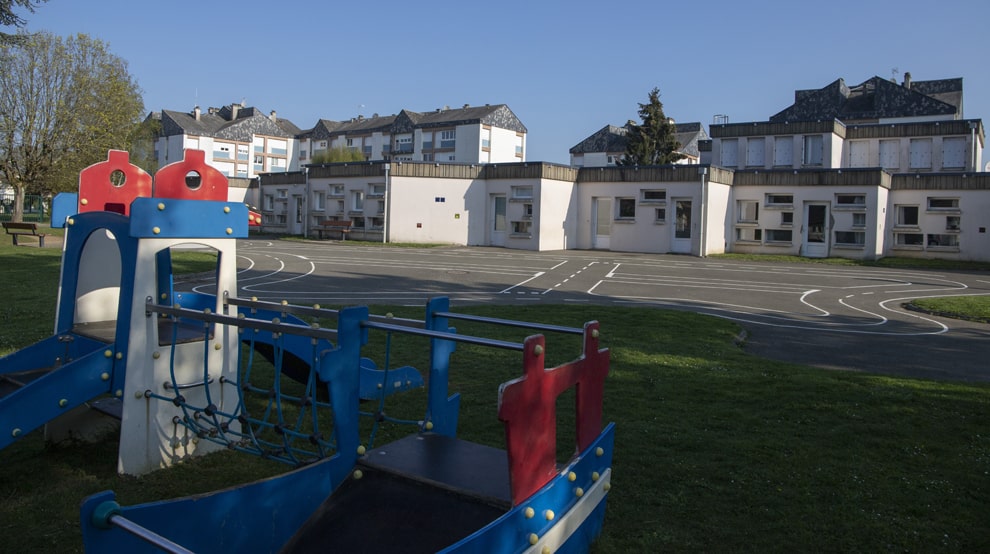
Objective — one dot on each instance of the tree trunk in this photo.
(18, 203)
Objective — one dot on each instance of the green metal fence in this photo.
(35, 208)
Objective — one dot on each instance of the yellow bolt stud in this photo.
(533, 539)
(156, 230)
(105, 376)
(595, 476)
(230, 231)
(429, 425)
(546, 550)
(607, 487)
(538, 350)
(361, 450)
(164, 295)
(579, 492)
(15, 433)
(217, 346)
(118, 393)
(107, 354)
(358, 474)
(571, 476)
(285, 302)
(120, 355)
(63, 403)
(84, 201)
(226, 209)
(156, 354)
(599, 452)
(549, 515)
(71, 221)
(161, 206)
(529, 513)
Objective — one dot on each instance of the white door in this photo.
(297, 216)
(681, 241)
(601, 216)
(498, 222)
(816, 230)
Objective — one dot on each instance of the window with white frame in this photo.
(850, 200)
(381, 206)
(952, 223)
(954, 153)
(283, 193)
(522, 193)
(921, 153)
(376, 190)
(748, 211)
(730, 152)
(448, 138)
(377, 223)
(427, 140)
(942, 241)
(625, 208)
(890, 154)
(777, 200)
(660, 215)
(779, 235)
(783, 151)
(528, 210)
(653, 196)
(336, 190)
(859, 153)
(909, 239)
(813, 153)
(242, 153)
(522, 227)
(269, 203)
(859, 220)
(486, 138)
(357, 200)
(340, 206)
(907, 216)
(749, 234)
(850, 238)
(357, 222)
(786, 219)
(943, 204)
(319, 201)
(756, 152)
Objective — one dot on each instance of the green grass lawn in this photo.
(716, 450)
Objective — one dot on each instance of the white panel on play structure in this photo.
(149, 438)
(98, 286)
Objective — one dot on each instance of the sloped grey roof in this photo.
(612, 139)
(874, 99)
(406, 121)
(218, 124)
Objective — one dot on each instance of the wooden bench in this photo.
(14, 229)
(334, 226)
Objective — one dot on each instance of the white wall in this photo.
(427, 210)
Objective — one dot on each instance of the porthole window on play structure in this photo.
(194, 180)
(117, 178)
(186, 277)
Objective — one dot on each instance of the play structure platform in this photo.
(187, 373)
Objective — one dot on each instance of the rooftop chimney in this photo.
(273, 116)
(234, 108)
(907, 80)
(196, 113)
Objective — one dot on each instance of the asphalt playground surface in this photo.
(833, 317)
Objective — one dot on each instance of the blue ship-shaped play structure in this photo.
(178, 370)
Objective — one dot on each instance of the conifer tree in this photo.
(652, 142)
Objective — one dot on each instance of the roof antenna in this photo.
(894, 72)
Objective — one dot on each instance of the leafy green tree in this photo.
(653, 141)
(10, 19)
(338, 154)
(63, 104)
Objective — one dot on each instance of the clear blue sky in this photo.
(565, 68)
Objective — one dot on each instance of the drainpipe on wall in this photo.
(307, 212)
(972, 146)
(703, 172)
(388, 203)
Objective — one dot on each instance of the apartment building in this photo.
(607, 146)
(482, 134)
(865, 171)
(238, 140)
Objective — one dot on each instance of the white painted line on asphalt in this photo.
(558, 265)
(538, 274)
(611, 274)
